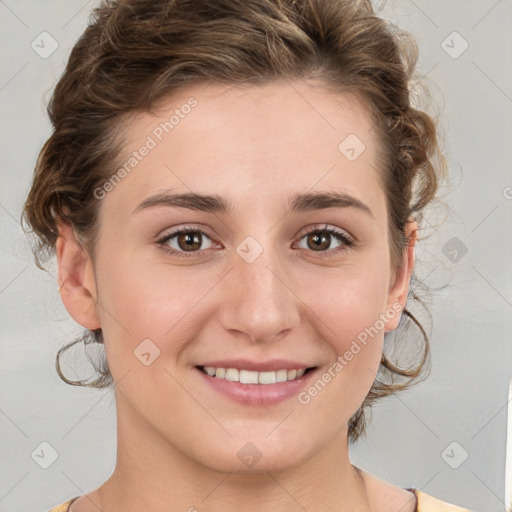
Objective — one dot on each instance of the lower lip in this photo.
(258, 394)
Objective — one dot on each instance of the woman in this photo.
(234, 191)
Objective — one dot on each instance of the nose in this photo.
(259, 302)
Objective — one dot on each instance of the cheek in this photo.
(348, 301)
(348, 309)
(141, 301)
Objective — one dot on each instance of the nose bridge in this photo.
(261, 304)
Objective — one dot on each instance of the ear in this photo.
(399, 288)
(77, 284)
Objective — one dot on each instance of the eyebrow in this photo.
(216, 204)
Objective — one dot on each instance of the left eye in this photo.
(319, 240)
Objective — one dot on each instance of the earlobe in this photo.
(76, 280)
(399, 288)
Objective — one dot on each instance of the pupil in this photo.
(320, 241)
(190, 240)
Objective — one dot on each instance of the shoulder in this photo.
(387, 497)
(428, 503)
(63, 507)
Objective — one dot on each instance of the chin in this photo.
(253, 456)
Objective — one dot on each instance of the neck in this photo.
(152, 474)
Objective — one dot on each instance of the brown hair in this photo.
(135, 53)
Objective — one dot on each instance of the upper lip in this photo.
(258, 366)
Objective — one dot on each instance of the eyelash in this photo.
(346, 241)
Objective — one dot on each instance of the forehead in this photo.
(280, 136)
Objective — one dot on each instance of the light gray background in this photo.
(465, 398)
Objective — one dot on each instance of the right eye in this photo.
(184, 242)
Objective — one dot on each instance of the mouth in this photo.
(255, 377)
(256, 382)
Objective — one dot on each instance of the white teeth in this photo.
(281, 375)
(267, 377)
(252, 377)
(232, 374)
(210, 370)
(248, 377)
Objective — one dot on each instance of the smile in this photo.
(254, 377)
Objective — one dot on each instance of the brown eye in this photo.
(186, 242)
(318, 242)
(190, 241)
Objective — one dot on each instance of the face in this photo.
(284, 266)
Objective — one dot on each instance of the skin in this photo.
(178, 439)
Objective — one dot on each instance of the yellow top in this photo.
(424, 503)
(64, 507)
